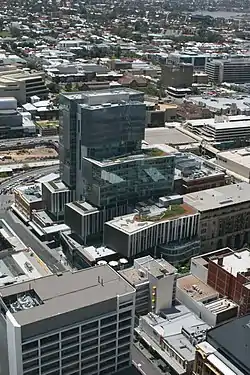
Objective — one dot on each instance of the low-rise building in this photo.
(27, 199)
(209, 360)
(231, 340)
(236, 161)
(168, 221)
(22, 85)
(224, 215)
(223, 130)
(155, 283)
(226, 271)
(159, 113)
(204, 301)
(173, 336)
(194, 173)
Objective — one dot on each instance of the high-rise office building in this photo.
(69, 324)
(102, 159)
(229, 70)
(98, 125)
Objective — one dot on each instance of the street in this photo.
(145, 366)
(30, 240)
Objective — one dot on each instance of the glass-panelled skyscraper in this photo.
(101, 155)
(100, 148)
(98, 125)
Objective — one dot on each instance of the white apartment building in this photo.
(70, 323)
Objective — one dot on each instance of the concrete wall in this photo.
(14, 345)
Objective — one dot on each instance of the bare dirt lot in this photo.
(27, 155)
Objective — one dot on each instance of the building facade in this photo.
(104, 138)
(177, 75)
(56, 195)
(155, 283)
(228, 70)
(209, 361)
(72, 323)
(224, 216)
(136, 233)
(127, 180)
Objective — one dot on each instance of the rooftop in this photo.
(217, 103)
(167, 135)
(56, 186)
(135, 222)
(220, 197)
(145, 154)
(31, 193)
(235, 262)
(190, 166)
(237, 349)
(195, 288)
(62, 293)
(240, 156)
(220, 306)
(138, 274)
(82, 208)
(176, 319)
(94, 253)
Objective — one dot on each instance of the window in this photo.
(107, 371)
(109, 337)
(30, 364)
(50, 358)
(32, 372)
(69, 369)
(89, 361)
(89, 370)
(89, 353)
(30, 346)
(70, 351)
(108, 346)
(50, 348)
(70, 332)
(124, 349)
(124, 340)
(123, 305)
(123, 357)
(125, 323)
(89, 335)
(89, 326)
(125, 315)
(108, 362)
(68, 360)
(30, 355)
(108, 329)
(50, 367)
(50, 339)
(69, 342)
(108, 320)
(110, 353)
(122, 365)
(124, 332)
(89, 344)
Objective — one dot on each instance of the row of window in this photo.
(88, 330)
(72, 363)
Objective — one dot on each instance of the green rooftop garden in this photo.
(172, 211)
(154, 152)
(47, 124)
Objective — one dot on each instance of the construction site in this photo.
(27, 155)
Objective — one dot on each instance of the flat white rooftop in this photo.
(240, 156)
(236, 262)
(220, 197)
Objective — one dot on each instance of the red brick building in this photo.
(228, 272)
